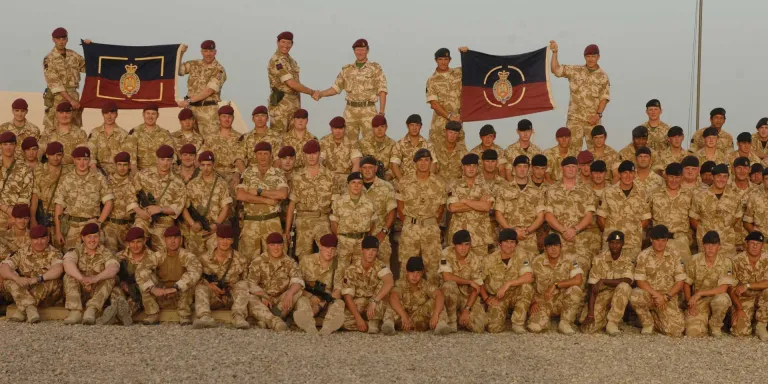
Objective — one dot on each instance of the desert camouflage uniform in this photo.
(209, 199)
(382, 195)
(354, 218)
(280, 69)
(457, 296)
(588, 87)
(418, 302)
(337, 157)
(260, 219)
(89, 266)
(720, 157)
(595, 237)
(752, 156)
(611, 159)
(127, 286)
(166, 271)
(661, 273)
(227, 150)
(62, 74)
(403, 151)
(756, 211)
(519, 208)
(711, 309)
(758, 146)
(104, 147)
(753, 303)
(76, 137)
(362, 286)
(554, 159)
(445, 88)
(122, 216)
(625, 214)
(672, 212)
(514, 150)
(651, 183)
(145, 144)
(724, 141)
(657, 136)
(479, 149)
(274, 278)
(22, 133)
(313, 197)
(738, 228)
(363, 86)
(380, 151)
(666, 157)
(566, 303)
(202, 76)
(15, 241)
(236, 295)
(313, 272)
(610, 302)
(718, 215)
(450, 162)
(477, 223)
(29, 263)
(495, 274)
(44, 184)
(169, 191)
(290, 139)
(250, 139)
(180, 138)
(81, 196)
(569, 207)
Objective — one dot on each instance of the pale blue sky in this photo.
(646, 47)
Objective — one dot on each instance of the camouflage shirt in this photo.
(180, 138)
(479, 149)
(421, 199)
(445, 88)
(758, 146)
(235, 266)
(554, 159)
(80, 195)
(382, 195)
(62, 72)
(361, 84)
(520, 206)
(569, 206)
(312, 271)
(227, 150)
(702, 277)
(660, 272)
(124, 190)
(29, 263)
(337, 157)
(403, 151)
(496, 272)
(657, 136)
(273, 276)
(671, 211)
(545, 275)
(745, 273)
(476, 222)
(312, 194)
(588, 87)
(72, 139)
(413, 297)
(358, 282)
(724, 141)
(91, 265)
(207, 198)
(250, 139)
(471, 268)
(611, 159)
(146, 143)
(22, 133)
(183, 270)
(15, 183)
(353, 216)
(45, 182)
(756, 211)
(169, 190)
(450, 162)
(717, 214)
(273, 179)
(666, 157)
(651, 183)
(604, 267)
(104, 147)
(202, 76)
(280, 69)
(290, 139)
(381, 151)
(516, 150)
(719, 156)
(625, 213)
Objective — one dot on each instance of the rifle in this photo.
(147, 199)
(221, 283)
(43, 218)
(292, 244)
(317, 288)
(125, 276)
(196, 216)
(380, 170)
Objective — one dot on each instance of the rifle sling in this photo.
(55, 187)
(7, 175)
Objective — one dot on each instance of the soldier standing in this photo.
(47, 178)
(323, 274)
(673, 153)
(670, 205)
(353, 218)
(755, 216)
(450, 153)
(259, 133)
(121, 218)
(188, 133)
(382, 195)
(65, 131)
(224, 144)
(749, 296)
(17, 179)
(62, 68)
(601, 151)
(523, 146)
(556, 154)
(724, 139)
(106, 140)
(710, 151)
(206, 78)
(717, 209)
(19, 125)
(471, 199)
(286, 89)
(147, 138)
(365, 287)
(444, 96)
(657, 129)
(406, 147)
(339, 154)
(379, 145)
(645, 178)
(298, 136)
(210, 198)
(520, 206)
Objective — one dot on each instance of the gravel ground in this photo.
(54, 353)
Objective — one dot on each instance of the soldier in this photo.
(210, 200)
(523, 146)
(339, 154)
(717, 209)
(223, 284)
(660, 278)
(261, 132)
(169, 193)
(691, 174)
(147, 138)
(645, 178)
(353, 218)
(121, 218)
(450, 153)
(78, 198)
(65, 131)
(62, 68)
(421, 199)
(19, 125)
(286, 89)
(188, 132)
(47, 178)
(90, 271)
(709, 276)
(188, 169)
(556, 154)
(705, 173)
(170, 278)
(597, 176)
(106, 140)
(470, 200)
(590, 92)
(444, 96)
(364, 82)
(585, 160)
(749, 295)
(461, 270)
(743, 187)
(298, 136)
(415, 304)
(520, 206)
(673, 153)
(127, 293)
(310, 205)
(487, 141)
(382, 195)
(744, 149)
(670, 205)
(224, 144)
(33, 276)
(507, 278)
(760, 138)
(261, 190)
(322, 274)
(601, 151)
(206, 78)
(17, 237)
(625, 208)
(287, 160)
(639, 140)
(724, 139)
(608, 288)
(657, 129)
(30, 149)
(406, 147)
(365, 287)
(756, 175)
(709, 151)
(379, 146)
(558, 291)
(490, 171)
(755, 216)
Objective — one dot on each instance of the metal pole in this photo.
(698, 65)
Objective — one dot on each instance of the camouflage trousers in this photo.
(328, 313)
(75, 292)
(47, 293)
(668, 321)
(207, 118)
(253, 236)
(114, 235)
(339, 186)
(264, 314)
(681, 244)
(72, 237)
(711, 311)
(50, 113)
(529, 244)
(309, 230)
(567, 304)
(197, 242)
(755, 307)
(362, 307)
(579, 249)
(519, 299)
(420, 316)
(610, 305)
(455, 300)
(181, 301)
(385, 251)
(437, 132)
(594, 239)
(359, 120)
(236, 299)
(155, 231)
(349, 249)
(580, 131)
(424, 241)
(281, 115)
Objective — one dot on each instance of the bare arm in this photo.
(382, 102)
(298, 87)
(389, 283)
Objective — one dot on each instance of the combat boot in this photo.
(535, 328)
(75, 317)
(32, 315)
(206, 321)
(518, 329)
(453, 327)
(331, 325)
(239, 322)
(388, 327)
(304, 319)
(185, 320)
(612, 329)
(18, 316)
(373, 327)
(647, 330)
(278, 325)
(442, 328)
(123, 311)
(761, 332)
(716, 332)
(151, 319)
(565, 328)
(89, 317)
(108, 316)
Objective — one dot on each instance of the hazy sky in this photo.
(647, 49)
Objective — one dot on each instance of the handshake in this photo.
(316, 95)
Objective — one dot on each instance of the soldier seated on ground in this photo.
(127, 297)
(461, 270)
(750, 296)
(32, 275)
(365, 287)
(322, 273)
(415, 303)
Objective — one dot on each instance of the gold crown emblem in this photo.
(503, 75)
(131, 68)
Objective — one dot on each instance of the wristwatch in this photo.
(176, 287)
(600, 114)
(450, 114)
(374, 301)
(468, 308)
(259, 191)
(557, 284)
(187, 99)
(40, 279)
(747, 285)
(669, 298)
(385, 231)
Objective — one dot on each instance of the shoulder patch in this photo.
(575, 264)
(525, 262)
(681, 262)
(279, 66)
(443, 261)
(346, 281)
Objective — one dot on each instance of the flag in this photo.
(132, 77)
(496, 87)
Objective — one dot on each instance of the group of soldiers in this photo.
(284, 228)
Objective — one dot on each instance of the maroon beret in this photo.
(208, 44)
(164, 152)
(338, 122)
(151, 107)
(286, 152)
(260, 110)
(38, 232)
(20, 104)
(274, 238)
(378, 121)
(330, 240)
(109, 106)
(134, 233)
(591, 49)
(563, 132)
(188, 148)
(29, 142)
(53, 148)
(226, 110)
(64, 106)
(311, 146)
(123, 157)
(585, 157)
(285, 36)
(186, 113)
(362, 43)
(301, 114)
(20, 211)
(263, 146)
(172, 232)
(89, 229)
(7, 137)
(206, 156)
(225, 231)
(81, 152)
(59, 32)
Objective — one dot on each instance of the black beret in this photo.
(552, 239)
(539, 161)
(461, 236)
(639, 131)
(570, 160)
(659, 232)
(717, 111)
(756, 168)
(599, 130)
(653, 103)
(470, 158)
(626, 166)
(755, 236)
(487, 130)
(674, 169)
(675, 131)
(616, 235)
(744, 137)
(507, 234)
(413, 119)
(761, 122)
(354, 176)
(421, 153)
(720, 169)
(443, 52)
(707, 167)
(711, 237)
(370, 242)
(711, 131)
(524, 125)
(598, 166)
(521, 159)
(368, 160)
(414, 264)
(453, 126)
(690, 161)
(741, 162)
(643, 151)
(765, 172)
(490, 154)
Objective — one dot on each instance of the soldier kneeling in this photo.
(461, 270)
(322, 294)
(367, 282)
(750, 296)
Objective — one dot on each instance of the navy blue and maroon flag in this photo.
(131, 77)
(495, 87)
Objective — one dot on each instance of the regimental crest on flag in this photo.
(502, 88)
(129, 81)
